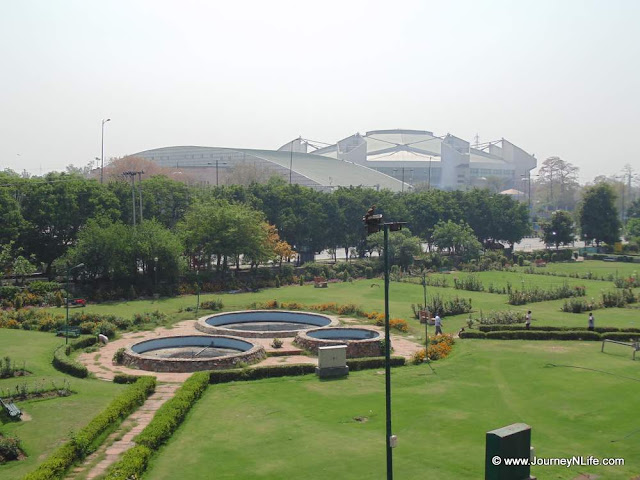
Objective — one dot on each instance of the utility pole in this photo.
(102, 151)
(132, 176)
(140, 186)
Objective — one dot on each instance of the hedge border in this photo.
(496, 328)
(552, 335)
(57, 464)
(164, 423)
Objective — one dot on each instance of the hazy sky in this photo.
(555, 77)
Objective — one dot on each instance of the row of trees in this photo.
(54, 216)
(596, 218)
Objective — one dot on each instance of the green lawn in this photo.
(597, 267)
(51, 420)
(369, 295)
(305, 428)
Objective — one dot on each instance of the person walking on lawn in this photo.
(438, 325)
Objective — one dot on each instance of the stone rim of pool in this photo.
(312, 319)
(137, 359)
(312, 339)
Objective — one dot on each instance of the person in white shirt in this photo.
(438, 325)
(527, 320)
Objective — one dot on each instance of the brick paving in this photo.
(111, 448)
(104, 369)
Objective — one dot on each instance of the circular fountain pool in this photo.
(360, 342)
(262, 323)
(191, 353)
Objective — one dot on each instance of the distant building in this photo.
(382, 159)
(444, 162)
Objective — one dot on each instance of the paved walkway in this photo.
(122, 439)
(100, 363)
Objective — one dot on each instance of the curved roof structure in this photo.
(316, 171)
(442, 161)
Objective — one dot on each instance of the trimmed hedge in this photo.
(225, 376)
(84, 342)
(621, 336)
(132, 464)
(57, 464)
(496, 328)
(535, 335)
(472, 334)
(365, 363)
(126, 378)
(62, 362)
(542, 335)
(170, 415)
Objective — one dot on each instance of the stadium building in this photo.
(382, 159)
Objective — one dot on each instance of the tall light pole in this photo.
(373, 223)
(102, 151)
(218, 163)
(66, 330)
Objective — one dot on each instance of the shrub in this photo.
(399, 324)
(470, 282)
(501, 317)
(349, 309)
(453, 306)
(56, 465)
(62, 362)
(276, 343)
(118, 357)
(9, 448)
(132, 465)
(618, 298)
(578, 305)
(170, 415)
(537, 294)
(126, 378)
(84, 342)
(212, 305)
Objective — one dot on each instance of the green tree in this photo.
(56, 207)
(164, 199)
(22, 267)
(457, 239)
(560, 230)
(634, 209)
(119, 252)
(11, 220)
(221, 230)
(633, 228)
(599, 220)
(403, 247)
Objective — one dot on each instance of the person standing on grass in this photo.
(527, 320)
(438, 325)
(592, 322)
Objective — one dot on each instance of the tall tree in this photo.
(557, 184)
(598, 215)
(560, 230)
(55, 208)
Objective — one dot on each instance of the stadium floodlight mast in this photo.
(373, 223)
(102, 151)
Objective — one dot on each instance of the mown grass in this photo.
(369, 294)
(51, 420)
(306, 428)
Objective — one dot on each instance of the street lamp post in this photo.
(373, 223)
(102, 151)
(198, 285)
(66, 330)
